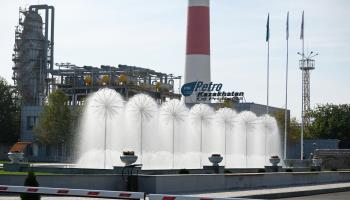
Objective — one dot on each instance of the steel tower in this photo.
(306, 64)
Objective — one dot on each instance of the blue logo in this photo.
(188, 88)
(209, 91)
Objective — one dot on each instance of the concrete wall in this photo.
(334, 158)
(258, 109)
(29, 116)
(293, 151)
(220, 182)
(191, 183)
(99, 182)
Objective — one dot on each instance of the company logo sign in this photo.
(209, 91)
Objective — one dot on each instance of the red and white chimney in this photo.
(198, 44)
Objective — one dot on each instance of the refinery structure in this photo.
(36, 74)
(33, 53)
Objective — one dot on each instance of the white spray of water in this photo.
(98, 128)
(201, 116)
(172, 117)
(225, 117)
(172, 136)
(141, 114)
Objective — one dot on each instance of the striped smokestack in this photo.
(198, 44)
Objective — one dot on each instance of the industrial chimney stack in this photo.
(198, 44)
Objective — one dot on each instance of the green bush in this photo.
(226, 171)
(184, 171)
(30, 181)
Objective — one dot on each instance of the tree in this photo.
(54, 125)
(225, 103)
(9, 113)
(293, 127)
(330, 122)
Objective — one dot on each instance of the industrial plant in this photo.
(36, 74)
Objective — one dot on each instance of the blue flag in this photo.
(287, 28)
(268, 28)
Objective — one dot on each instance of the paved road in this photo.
(329, 196)
(48, 198)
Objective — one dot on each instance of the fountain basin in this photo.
(274, 160)
(215, 159)
(317, 162)
(15, 157)
(128, 159)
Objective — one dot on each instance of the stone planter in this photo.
(316, 162)
(128, 159)
(215, 159)
(274, 160)
(15, 157)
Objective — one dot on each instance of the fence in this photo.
(101, 193)
(72, 192)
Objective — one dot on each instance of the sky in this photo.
(152, 33)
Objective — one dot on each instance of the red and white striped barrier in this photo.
(183, 197)
(72, 192)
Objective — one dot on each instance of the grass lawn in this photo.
(23, 173)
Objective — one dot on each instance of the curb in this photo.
(298, 193)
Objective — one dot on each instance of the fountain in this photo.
(171, 136)
(226, 119)
(141, 111)
(201, 115)
(175, 112)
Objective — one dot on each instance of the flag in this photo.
(268, 28)
(302, 27)
(287, 27)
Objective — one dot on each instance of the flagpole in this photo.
(268, 62)
(302, 93)
(286, 102)
(268, 76)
